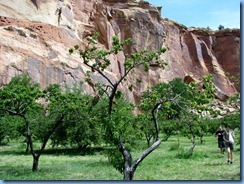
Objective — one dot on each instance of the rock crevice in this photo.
(36, 36)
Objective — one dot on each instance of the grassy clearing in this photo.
(205, 164)
(162, 164)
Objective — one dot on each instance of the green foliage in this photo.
(118, 121)
(189, 125)
(92, 52)
(18, 98)
(174, 147)
(120, 126)
(184, 153)
(178, 104)
(19, 95)
(67, 107)
(11, 127)
(234, 120)
(40, 124)
(116, 159)
(212, 124)
(146, 126)
(79, 125)
(71, 103)
(97, 60)
(165, 92)
(171, 97)
(201, 93)
(144, 58)
(169, 127)
(235, 79)
(208, 28)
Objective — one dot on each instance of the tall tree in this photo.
(164, 102)
(97, 60)
(80, 125)
(179, 102)
(17, 99)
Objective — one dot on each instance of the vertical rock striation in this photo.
(36, 36)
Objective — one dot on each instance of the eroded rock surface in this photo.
(36, 36)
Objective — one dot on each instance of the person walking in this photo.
(229, 140)
(221, 143)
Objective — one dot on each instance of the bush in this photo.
(116, 159)
(184, 153)
(174, 147)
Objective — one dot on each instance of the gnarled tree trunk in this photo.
(129, 167)
(35, 162)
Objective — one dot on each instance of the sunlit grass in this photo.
(162, 164)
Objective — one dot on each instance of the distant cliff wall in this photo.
(36, 36)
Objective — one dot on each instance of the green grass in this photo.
(162, 164)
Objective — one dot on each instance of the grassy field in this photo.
(162, 164)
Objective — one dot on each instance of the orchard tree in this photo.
(64, 106)
(164, 103)
(97, 60)
(189, 127)
(146, 126)
(179, 102)
(121, 129)
(80, 126)
(169, 127)
(200, 96)
(18, 98)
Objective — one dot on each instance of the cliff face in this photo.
(36, 36)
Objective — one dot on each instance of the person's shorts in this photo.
(230, 145)
(221, 144)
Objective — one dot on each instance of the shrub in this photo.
(174, 147)
(184, 153)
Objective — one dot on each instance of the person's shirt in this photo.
(229, 136)
(220, 134)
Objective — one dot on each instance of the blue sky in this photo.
(201, 13)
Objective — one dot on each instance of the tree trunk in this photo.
(35, 163)
(193, 144)
(155, 119)
(128, 173)
(201, 139)
(129, 167)
(111, 98)
(148, 142)
(27, 145)
(166, 137)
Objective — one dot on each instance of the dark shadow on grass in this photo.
(216, 163)
(62, 151)
(11, 152)
(75, 151)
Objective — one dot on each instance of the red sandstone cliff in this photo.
(36, 35)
